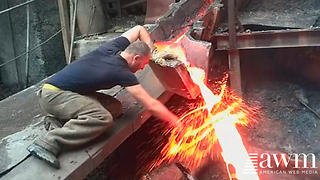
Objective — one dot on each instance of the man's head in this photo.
(137, 55)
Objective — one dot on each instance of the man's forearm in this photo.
(153, 105)
(161, 112)
(145, 37)
(139, 32)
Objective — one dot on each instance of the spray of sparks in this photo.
(213, 119)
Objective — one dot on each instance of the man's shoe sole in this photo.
(44, 155)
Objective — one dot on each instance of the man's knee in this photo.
(106, 116)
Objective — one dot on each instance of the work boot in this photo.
(51, 122)
(44, 155)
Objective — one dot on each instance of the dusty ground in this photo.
(294, 128)
(281, 13)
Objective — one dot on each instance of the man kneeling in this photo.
(67, 95)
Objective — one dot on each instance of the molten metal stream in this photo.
(213, 119)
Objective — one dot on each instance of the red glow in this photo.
(213, 119)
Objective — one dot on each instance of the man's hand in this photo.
(139, 32)
(176, 124)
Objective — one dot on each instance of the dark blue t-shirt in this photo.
(102, 68)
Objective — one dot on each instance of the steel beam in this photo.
(233, 52)
(271, 39)
(235, 71)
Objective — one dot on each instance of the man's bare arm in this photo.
(139, 32)
(153, 105)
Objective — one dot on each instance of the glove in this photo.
(160, 57)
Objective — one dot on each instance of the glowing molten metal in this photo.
(215, 118)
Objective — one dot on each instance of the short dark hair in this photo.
(138, 47)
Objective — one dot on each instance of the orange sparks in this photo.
(213, 119)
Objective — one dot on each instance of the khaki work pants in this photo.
(84, 117)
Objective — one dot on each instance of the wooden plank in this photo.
(73, 29)
(64, 20)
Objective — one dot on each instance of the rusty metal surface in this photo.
(197, 52)
(156, 9)
(235, 71)
(178, 16)
(177, 79)
(231, 24)
(233, 53)
(272, 39)
(211, 22)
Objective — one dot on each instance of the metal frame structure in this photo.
(233, 52)
(272, 39)
(233, 42)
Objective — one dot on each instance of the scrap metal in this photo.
(272, 39)
(156, 9)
